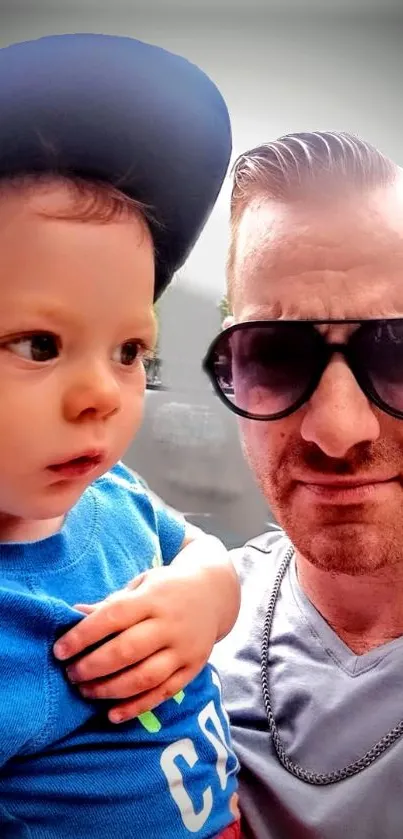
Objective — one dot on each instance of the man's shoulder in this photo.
(262, 553)
(257, 564)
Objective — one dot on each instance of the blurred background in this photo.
(282, 65)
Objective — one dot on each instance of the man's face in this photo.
(328, 262)
(76, 312)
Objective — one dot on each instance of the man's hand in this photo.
(165, 624)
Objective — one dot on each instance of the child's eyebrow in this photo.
(52, 312)
(30, 312)
(145, 329)
(32, 308)
(140, 325)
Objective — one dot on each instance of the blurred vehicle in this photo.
(153, 368)
(188, 449)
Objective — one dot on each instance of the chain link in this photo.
(315, 778)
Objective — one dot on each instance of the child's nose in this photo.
(94, 393)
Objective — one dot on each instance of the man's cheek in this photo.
(261, 456)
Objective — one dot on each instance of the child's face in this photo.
(76, 311)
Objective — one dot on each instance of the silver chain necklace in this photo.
(316, 778)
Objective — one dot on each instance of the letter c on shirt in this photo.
(184, 748)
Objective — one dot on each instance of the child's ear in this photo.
(228, 321)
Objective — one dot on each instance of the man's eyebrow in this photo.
(267, 311)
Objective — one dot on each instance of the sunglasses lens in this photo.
(265, 370)
(379, 354)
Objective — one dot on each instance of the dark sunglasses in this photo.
(265, 370)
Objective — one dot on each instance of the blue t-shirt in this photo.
(66, 772)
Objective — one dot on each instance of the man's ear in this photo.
(228, 321)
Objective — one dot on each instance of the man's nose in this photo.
(339, 415)
(93, 392)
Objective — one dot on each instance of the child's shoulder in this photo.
(121, 478)
(125, 501)
(122, 489)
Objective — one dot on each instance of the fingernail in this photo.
(85, 691)
(116, 716)
(60, 650)
(71, 674)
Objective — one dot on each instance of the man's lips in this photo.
(353, 490)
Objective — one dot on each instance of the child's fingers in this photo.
(143, 677)
(86, 608)
(142, 706)
(125, 649)
(114, 615)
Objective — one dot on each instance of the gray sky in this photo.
(282, 65)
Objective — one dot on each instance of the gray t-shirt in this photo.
(330, 707)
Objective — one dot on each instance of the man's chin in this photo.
(353, 548)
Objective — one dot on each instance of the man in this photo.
(313, 671)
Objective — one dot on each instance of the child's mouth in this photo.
(77, 466)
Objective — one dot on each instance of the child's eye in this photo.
(42, 346)
(127, 353)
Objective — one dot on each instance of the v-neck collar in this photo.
(349, 661)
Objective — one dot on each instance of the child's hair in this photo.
(90, 200)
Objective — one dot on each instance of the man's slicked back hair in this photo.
(305, 164)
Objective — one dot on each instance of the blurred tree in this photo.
(224, 307)
(158, 319)
(153, 362)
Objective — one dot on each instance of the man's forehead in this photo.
(320, 260)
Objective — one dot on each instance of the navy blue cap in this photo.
(116, 109)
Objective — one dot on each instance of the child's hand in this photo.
(167, 621)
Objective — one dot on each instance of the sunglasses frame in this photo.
(344, 349)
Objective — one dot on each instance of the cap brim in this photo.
(119, 110)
